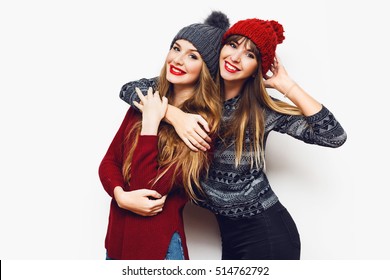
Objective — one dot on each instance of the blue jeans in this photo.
(175, 249)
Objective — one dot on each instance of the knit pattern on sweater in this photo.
(244, 191)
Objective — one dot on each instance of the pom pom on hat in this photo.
(278, 28)
(265, 34)
(218, 19)
(207, 38)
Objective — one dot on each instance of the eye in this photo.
(193, 56)
(251, 55)
(232, 44)
(176, 48)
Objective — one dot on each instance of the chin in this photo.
(226, 77)
(171, 78)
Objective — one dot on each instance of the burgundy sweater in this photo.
(131, 236)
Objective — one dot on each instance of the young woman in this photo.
(146, 153)
(253, 222)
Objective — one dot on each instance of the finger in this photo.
(152, 193)
(157, 204)
(155, 212)
(150, 92)
(156, 209)
(196, 143)
(204, 123)
(165, 101)
(150, 214)
(139, 106)
(188, 143)
(140, 95)
(204, 136)
(156, 94)
(200, 142)
(144, 213)
(164, 105)
(163, 198)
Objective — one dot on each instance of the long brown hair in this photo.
(173, 152)
(249, 114)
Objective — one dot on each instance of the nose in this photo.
(178, 59)
(236, 56)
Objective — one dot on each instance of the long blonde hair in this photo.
(173, 152)
(249, 114)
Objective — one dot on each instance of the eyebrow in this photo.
(192, 50)
(246, 42)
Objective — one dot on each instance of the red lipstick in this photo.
(231, 68)
(176, 71)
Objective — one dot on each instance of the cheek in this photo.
(221, 60)
(251, 65)
(224, 53)
(167, 62)
(169, 57)
(195, 68)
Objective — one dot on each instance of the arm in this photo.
(282, 82)
(144, 165)
(317, 126)
(110, 169)
(111, 177)
(320, 129)
(191, 128)
(129, 94)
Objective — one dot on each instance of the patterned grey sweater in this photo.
(245, 191)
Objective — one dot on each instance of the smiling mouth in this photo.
(176, 71)
(230, 68)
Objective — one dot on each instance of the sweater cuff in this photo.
(148, 140)
(318, 116)
(109, 185)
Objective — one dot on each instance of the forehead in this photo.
(242, 40)
(247, 43)
(185, 44)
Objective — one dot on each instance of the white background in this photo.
(62, 64)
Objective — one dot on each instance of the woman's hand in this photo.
(139, 202)
(153, 110)
(191, 128)
(280, 80)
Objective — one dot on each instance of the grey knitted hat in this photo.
(207, 38)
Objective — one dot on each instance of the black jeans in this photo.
(270, 235)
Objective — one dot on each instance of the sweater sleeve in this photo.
(110, 169)
(128, 93)
(145, 167)
(320, 129)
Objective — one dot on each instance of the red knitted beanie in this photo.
(265, 34)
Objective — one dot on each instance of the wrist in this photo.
(118, 191)
(149, 127)
(290, 88)
(169, 114)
